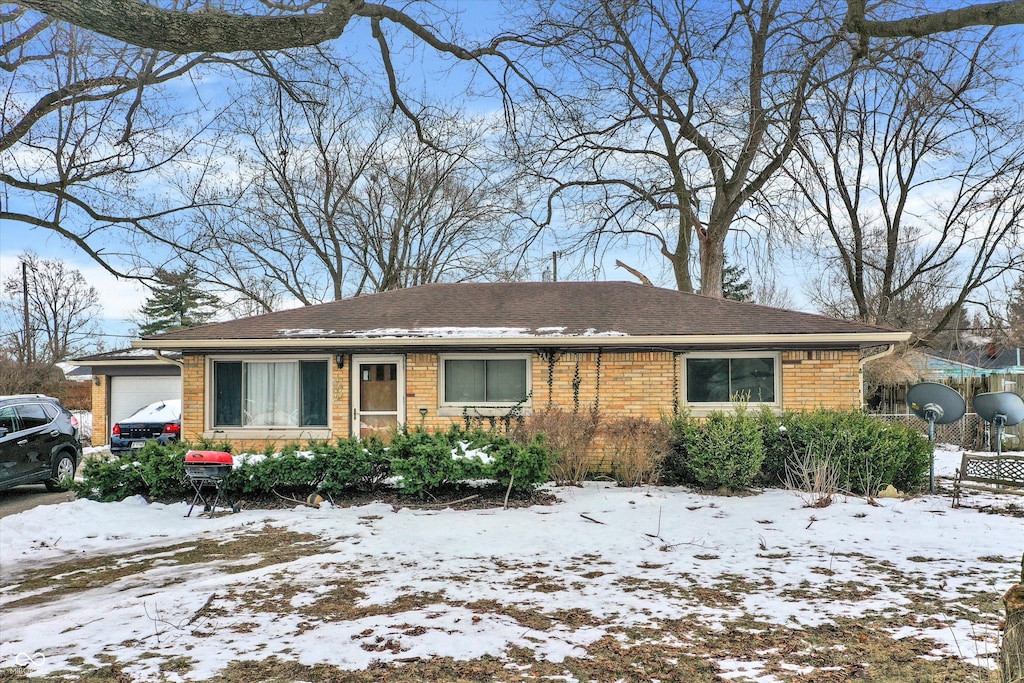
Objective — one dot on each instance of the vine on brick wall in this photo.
(675, 382)
(576, 381)
(597, 387)
(551, 356)
(512, 418)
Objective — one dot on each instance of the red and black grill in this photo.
(206, 470)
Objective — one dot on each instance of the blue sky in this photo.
(121, 298)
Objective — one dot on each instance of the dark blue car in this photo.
(160, 422)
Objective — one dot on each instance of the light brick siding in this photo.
(820, 379)
(193, 393)
(341, 381)
(421, 387)
(631, 384)
(100, 410)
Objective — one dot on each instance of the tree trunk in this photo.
(712, 263)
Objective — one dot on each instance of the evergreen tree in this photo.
(177, 301)
(734, 286)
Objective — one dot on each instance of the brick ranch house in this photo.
(430, 355)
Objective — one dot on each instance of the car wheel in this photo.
(63, 473)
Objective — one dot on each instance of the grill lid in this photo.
(209, 458)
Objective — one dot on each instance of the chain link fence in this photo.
(969, 432)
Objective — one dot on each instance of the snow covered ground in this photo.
(85, 584)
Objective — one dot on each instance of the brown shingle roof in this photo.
(522, 309)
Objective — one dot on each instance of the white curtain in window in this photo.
(272, 394)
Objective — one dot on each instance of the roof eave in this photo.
(849, 339)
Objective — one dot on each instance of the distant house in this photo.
(999, 364)
(432, 355)
(126, 380)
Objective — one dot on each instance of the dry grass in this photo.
(666, 649)
(258, 548)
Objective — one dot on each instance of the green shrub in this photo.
(725, 450)
(111, 478)
(524, 466)
(351, 464)
(674, 467)
(423, 461)
(426, 462)
(163, 469)
(289, 470)
(869, 453)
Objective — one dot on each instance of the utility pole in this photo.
(554, 266)
(28, 330)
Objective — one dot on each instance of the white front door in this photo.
(378, 394)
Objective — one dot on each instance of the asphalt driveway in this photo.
(22, 498)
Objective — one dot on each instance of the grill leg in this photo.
(195, 499)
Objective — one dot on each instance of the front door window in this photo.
(378, 395)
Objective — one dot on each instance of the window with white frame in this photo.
(485, 380)
(270, 393)
(727, 377)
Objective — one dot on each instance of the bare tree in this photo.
(912, 176)
(62, 312)
(1006, 13)
(95, 131)
(84, 124)
(338, 196)
(671, 116)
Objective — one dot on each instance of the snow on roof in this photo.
(307, 332)
(471, 332)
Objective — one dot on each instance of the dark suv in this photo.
(38, 442)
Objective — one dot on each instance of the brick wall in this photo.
(100, 410)
(821, 379)
(193, 395)
(421, 387)
(341, 410)
(640, 384)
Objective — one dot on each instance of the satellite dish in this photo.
(938, 405)
(1001, 408)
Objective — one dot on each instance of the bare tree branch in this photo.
(1008, 13)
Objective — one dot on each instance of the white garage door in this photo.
(128, 394)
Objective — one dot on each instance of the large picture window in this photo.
(484, 381)
(273, 393)
(724, 379)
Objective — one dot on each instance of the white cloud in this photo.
(119, 298)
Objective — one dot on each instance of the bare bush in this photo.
(815, 475)
(637, 446)
(568, 435)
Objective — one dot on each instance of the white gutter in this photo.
(838, 339)
(164, 359)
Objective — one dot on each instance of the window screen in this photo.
(485, 380)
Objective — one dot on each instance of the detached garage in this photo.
(126, 380)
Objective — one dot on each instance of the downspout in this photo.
(881, 354)
(181, 368)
